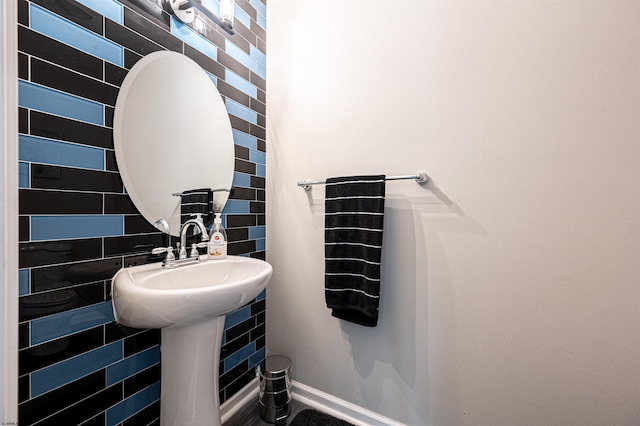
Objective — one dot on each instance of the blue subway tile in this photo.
(133, 365)
(256, 232)
(24, 282)
(67, 227)
(244, 139)
(262, 21)
(236, 207)
(257, 157)
(58, 28)
(259, 6)
(241, 84)
(241, 111)
(262, 295)
(240, 55)
(241, 179)
(213, 78)
(44, 99)
(236, 317)
(257, 358)
(238, 356)
(136, 402)
(261, 70)
(41, 150)
(69, 322)
(109, 8)
(261, 170)
(193, 39)
(24, 176)
(72, 369)
(242, 16)
(213, 6)
(261, 244)
(258, 55)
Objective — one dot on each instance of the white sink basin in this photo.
(148, 296)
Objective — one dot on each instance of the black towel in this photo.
(197, 201)
(354, 216)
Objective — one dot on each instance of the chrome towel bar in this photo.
(421, 178)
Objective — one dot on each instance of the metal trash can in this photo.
(275, 389)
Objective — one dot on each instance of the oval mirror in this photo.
(171, 134)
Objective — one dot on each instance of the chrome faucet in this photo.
(183, 235)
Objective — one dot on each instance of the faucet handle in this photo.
(169, 250)
(194, 249)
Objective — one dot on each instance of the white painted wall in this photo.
(511, 282)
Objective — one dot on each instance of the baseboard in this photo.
(337, 407)
(313, 398)
(248, 394)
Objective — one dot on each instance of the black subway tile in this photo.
(86, 409)
(141, 380)
(129, 244)
(24, 228)
(151, 31)
(136, 224)
(129, 39)
(51, 402)
(241, 247)
(229, 91)
(240, 220)
(119, 204)
(23, 12)
(33, 201)
(66, 178)
(49, 353)
(258, 307)
(145, 416)
(245, 167)
(235, 66)
(237, 331)
(241, 152)
(258, 182)
(151, 11)
(23, 66)
(63, 251)
(51, 126)
(39, 305)
(204, 61)
(258, 81)
(258, 31)
(257, 131)
(71, 82)
(72, 274)
(241, 193)
(51, 50)
(141, 341)
(114, 74)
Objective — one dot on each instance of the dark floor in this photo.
(250, 416)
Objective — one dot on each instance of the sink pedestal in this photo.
(190, 359)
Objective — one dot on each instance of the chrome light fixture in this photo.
(184, 11)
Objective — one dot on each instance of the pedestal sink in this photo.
(189, 304)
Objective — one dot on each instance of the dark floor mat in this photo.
(316, 418)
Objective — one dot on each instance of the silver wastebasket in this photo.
(275, 389)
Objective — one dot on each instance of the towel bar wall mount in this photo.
(421, 178)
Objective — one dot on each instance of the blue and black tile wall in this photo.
(78, 226)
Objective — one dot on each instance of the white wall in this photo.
(511, 282)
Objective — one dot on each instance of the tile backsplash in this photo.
(78, 226)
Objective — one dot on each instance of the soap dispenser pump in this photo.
(217, 240)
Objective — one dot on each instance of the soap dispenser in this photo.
(217, 240)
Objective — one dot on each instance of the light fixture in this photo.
(184, 11)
